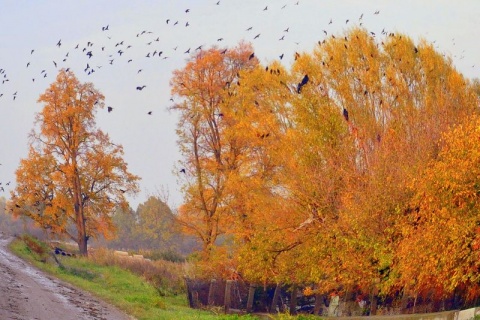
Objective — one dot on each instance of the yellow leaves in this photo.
(447, 198)
(307, 194)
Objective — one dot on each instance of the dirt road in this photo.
(26, 293)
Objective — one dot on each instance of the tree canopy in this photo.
(307, 171)
(74, 176)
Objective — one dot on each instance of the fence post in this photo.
(189, 292)
(275, 298)
(228, 296)
(251, 294)
(211, 291)
(318, 304)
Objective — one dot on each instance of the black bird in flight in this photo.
(257, 36)
(251, 56)
(168, 20)
(187, 11)
(59, 43)
(149, 113)
(266, 8)
(281, 56)
(183, 171)
(249, 28)
(301, 84)
(109, 109)
(140, 88)
(345, 114)
(188, 51)
(105, 28)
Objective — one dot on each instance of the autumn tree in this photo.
(384, 126)
(126, 237)
(209, 156)
(364, 124)
(440, 243)
(316, 160)
(74, 176)
(156, 225)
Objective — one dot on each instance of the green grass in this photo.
(117, 286)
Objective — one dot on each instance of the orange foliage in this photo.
(73, 177)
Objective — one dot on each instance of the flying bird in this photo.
(257, 36)
(251, 56)
(59, 43)
(140, 88)
(109, 109)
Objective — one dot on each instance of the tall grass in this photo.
(165, 276)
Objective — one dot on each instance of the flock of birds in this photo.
(96, 56)
(113, 52)
(116, 52)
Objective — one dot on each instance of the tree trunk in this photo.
(81, 232)
(276, 294)
(228, 296)
(293, 300)
(79, 214)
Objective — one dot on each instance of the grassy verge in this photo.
(121, 288)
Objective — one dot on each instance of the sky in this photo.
(41, 34)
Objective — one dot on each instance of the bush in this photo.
(38, 249)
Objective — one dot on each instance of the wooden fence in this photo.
(240, 297)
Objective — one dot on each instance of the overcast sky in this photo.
(149, 141)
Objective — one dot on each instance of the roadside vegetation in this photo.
(137, 295)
